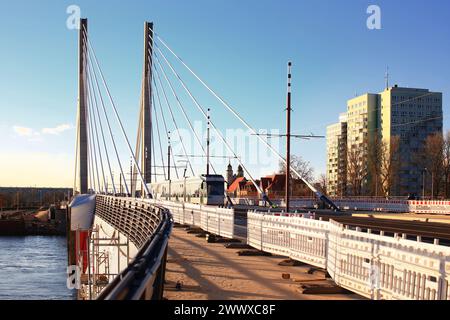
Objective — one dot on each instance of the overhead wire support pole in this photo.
(168, 159)
(120, 124)
(288, 140)
(208, 141)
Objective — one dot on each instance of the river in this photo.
(33, 268)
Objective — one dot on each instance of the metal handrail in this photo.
(144, 276)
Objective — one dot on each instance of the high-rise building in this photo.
(410, 115)
(404, 115)
(336, 157)
(362, 123)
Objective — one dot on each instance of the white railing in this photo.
(374, 266)
(367, 204)
(212, 219)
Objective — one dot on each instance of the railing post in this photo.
(158, 287)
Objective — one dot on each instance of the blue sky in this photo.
(239, 47)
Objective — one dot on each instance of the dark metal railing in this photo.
(148, 226)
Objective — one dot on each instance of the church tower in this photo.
(229, 174)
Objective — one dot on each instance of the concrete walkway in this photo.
(211, 271)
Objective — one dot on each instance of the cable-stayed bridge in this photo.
(120, 229)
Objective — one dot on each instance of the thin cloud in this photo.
(23, 131)
(58, 129)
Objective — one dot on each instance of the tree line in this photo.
(380, 174)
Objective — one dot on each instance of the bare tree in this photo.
(374, 165)
(431, 159)
(389, 164)
(356, 171)
(434, 160)
(321, 183)
(302, 166)
(446, 164)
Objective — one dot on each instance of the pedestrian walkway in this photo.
(211, 271)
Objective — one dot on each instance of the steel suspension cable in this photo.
(92, 137)
(231, 109)
(107, 121)
(159, 137)
(92, 71)
(174, 121)
(93, 116)
(91, 173)
(180, 105)
(165, 127)
(210, 121)
(120, 123)
(154, 157)
(76, 152)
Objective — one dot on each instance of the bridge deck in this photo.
(211, 271)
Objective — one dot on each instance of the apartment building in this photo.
(407, 114)
(336, 157)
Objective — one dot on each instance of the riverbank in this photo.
(33, 222)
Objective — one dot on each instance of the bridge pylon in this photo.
(82, 139)
(144, 135)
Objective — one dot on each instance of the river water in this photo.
(33, 268)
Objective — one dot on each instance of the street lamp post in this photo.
(432, 186)
(423, 182)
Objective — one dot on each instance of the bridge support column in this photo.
(144, 136)
(82, 103)
(147, 102)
